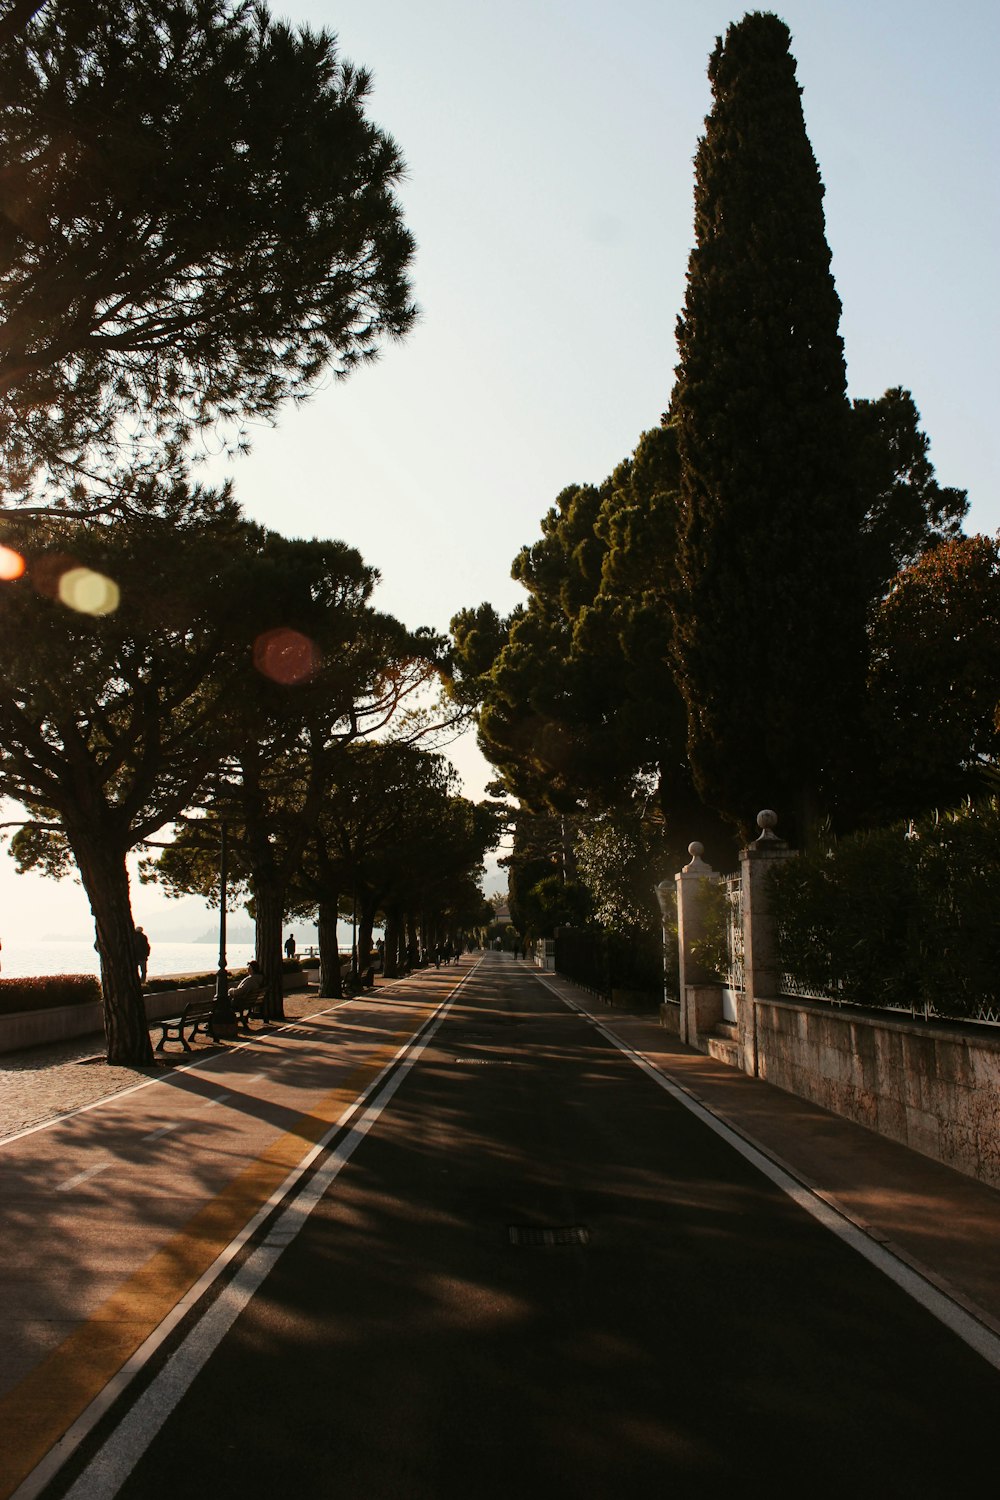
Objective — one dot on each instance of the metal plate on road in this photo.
(485, 1062)
(539, 1236)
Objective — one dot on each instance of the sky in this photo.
(549, 150)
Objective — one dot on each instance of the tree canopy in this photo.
(136, 661)
(935, 679)
(575, 696)
(769, 612)
(197, 219)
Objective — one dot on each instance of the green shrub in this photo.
(902, 916)
(164, 982)
(711, 949)
(48, 991)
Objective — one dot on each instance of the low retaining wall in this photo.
(931, 1086)
(61, 1023)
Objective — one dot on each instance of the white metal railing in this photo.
(734, 977)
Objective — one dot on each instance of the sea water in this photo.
(34, 959)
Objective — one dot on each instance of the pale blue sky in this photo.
(549, 149)
(550, 189)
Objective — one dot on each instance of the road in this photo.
(528, 1269)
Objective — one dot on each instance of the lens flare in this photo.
(11, 564)
(89, 593)
(286, 656)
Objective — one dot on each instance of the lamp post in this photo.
(223, 1016)
(354, 940)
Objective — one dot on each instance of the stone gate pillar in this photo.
(690, 925)
(761, 964)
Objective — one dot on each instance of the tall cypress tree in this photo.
(769, 618)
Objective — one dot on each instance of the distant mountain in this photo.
(244, 934)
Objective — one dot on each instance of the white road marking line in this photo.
(219, 1099)
(968, 1328)
(73, 1182)
(113, 1463)
(154, 1135)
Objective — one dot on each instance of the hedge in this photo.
(163, 982)
(903, 916)
(48, 991)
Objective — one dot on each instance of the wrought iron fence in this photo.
(603, 962)
(582, 955)
(832, 993)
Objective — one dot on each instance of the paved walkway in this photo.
(944, 1224)
(42, 1083)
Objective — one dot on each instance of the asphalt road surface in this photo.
(540, 1275)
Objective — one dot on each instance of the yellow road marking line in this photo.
(36, 1413)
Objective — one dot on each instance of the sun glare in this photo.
(11, 564)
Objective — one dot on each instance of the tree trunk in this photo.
(393, 935)
(269, 905)
(412, 943)
(330, 986)
(105, 879)
(366, 922)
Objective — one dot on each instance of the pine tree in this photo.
(769, 613)
(197, 222)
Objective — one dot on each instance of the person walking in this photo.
(141, 953)
(290, 945)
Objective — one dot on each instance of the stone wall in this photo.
(931, 1086)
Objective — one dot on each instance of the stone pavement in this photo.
(944, 1224)
(42, 1083)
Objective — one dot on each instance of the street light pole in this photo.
(354, 940)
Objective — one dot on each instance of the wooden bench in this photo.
(251, 1009)
(197, 1014)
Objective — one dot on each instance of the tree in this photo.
(402, 843)
(905, 511)
(114, 723)
(288, 746)
(769, 610)
(380, 800)
(935, 679)
(116, 669)
(196, 220)
(578, 708)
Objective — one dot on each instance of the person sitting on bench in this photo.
(249, 986)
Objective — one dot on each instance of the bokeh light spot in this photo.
(89, 593)
(11, 564)
(286, 656)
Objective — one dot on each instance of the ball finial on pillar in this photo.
(767, 821)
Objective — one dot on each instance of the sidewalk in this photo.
(946, 1226)
(42, 1083)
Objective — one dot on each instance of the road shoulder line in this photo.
(971, 1323)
